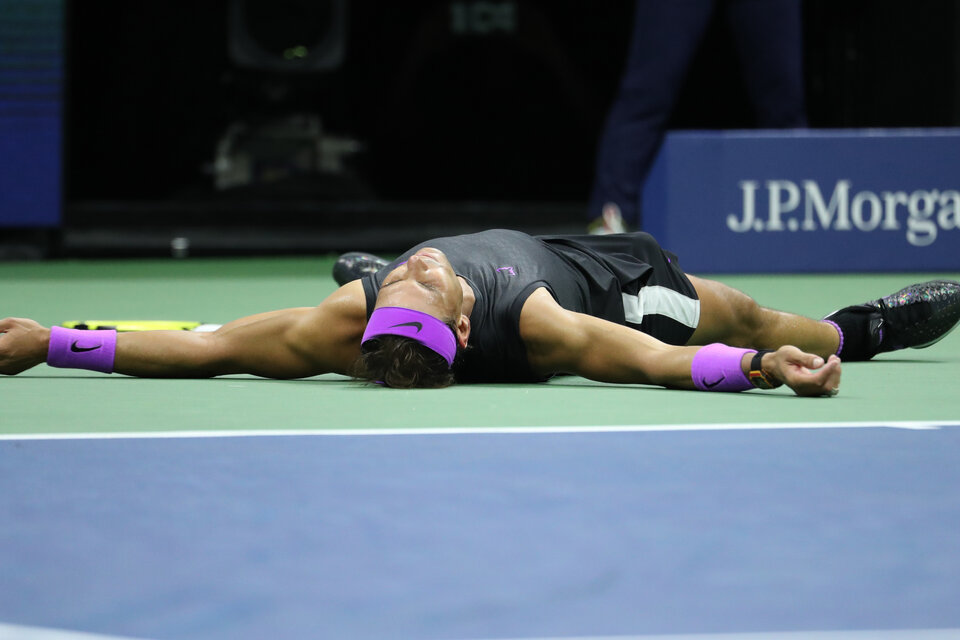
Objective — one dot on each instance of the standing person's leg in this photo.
(666, 35)
(769, 40)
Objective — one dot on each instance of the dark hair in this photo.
(396, 361)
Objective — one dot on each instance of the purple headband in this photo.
(416, 325)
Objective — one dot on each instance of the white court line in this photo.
(17, 632)
(891, 634)
(444, 431)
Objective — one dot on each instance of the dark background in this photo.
(461, 115)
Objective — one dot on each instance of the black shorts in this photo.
(658, 297)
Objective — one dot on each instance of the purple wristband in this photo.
(82, 349)
(717, 367)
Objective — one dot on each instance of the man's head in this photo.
(417, 326)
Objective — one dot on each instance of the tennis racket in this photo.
(141, 325)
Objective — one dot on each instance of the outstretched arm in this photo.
(290, 343)
(562, 341)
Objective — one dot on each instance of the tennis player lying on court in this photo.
(503, 306)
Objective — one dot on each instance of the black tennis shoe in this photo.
(914, 317)
(919, 315)
(353, 265)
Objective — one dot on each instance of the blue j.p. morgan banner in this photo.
(794, 201)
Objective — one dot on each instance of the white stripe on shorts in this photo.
(661, 301)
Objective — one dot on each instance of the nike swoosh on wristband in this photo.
(78, 349)
(415, 325)
(711, 385)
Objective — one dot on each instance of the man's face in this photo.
(427, 283)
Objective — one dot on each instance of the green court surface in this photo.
(904, 386)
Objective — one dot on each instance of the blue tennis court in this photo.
(481, 534)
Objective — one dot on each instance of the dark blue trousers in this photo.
(666, 36)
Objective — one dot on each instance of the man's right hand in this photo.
(23, 344)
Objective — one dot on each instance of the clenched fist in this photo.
(23, 344)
